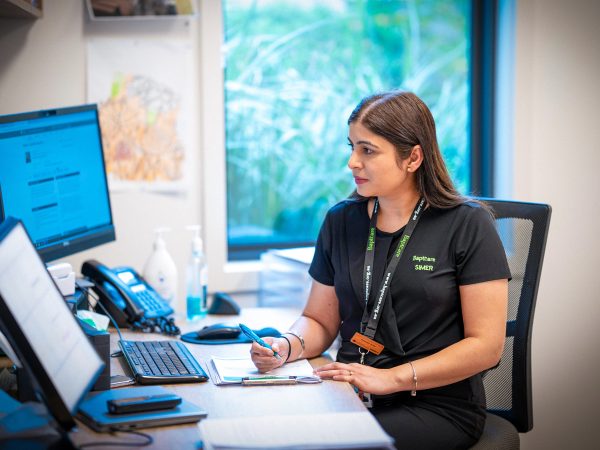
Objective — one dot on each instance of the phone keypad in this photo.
(149, 301)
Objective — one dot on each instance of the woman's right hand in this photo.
(264, 359)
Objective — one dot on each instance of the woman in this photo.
(435, 274)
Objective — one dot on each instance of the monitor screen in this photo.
(52, 177)
(41, 329)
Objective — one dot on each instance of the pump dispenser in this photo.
(160, 269)
(196, 278)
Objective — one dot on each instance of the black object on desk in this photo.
(223, 304)
(101, 342)
(219, 331)
(162, 362)
(142, 403)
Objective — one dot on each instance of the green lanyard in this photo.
(374, 317)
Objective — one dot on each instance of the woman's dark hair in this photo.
(405, 121)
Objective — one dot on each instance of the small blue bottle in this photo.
(197, 279)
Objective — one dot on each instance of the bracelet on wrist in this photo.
(289, 348)
(413, 392)
(299, 337)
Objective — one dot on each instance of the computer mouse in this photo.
(219, 331)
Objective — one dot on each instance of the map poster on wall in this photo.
(143, 90)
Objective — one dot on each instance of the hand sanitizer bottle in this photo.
(160, 270)
(196, 278)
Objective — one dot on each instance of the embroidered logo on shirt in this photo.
(424, 263)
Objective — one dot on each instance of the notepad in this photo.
(242, 371)
(348, 430)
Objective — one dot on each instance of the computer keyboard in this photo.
(162, 362)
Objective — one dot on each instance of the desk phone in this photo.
(124, 293)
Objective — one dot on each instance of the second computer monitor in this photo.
(41, 329)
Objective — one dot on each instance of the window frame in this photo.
(222, 274)
(483, 81)
(243, 276)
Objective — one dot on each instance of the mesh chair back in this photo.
(523, 228)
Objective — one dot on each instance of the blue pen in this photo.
(252, 335)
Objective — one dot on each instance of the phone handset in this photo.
(113, 292)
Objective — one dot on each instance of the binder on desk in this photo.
(241, 371)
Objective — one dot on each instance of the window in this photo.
(468, 97)
(293, 73)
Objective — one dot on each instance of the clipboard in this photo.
(242, 372)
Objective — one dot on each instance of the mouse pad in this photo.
(192, 338)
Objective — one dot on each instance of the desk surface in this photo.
(232, 401)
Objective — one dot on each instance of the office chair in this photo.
(523, 228)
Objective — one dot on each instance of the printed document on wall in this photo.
(144, 91)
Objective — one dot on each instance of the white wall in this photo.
(556, 160)
(557, 156)
(43, 65)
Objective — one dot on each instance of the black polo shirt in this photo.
(422, 313)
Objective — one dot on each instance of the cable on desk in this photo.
(149, 440)
(164, 324)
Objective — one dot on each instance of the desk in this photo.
(232, 401)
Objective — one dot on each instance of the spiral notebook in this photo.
(242, 371)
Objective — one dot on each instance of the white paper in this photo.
(314, 431)
(232, 370)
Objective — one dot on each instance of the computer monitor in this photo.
(52, 177)
(41, 329)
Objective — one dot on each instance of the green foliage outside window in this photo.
(294, 72)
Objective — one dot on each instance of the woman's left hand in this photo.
(365, 378)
